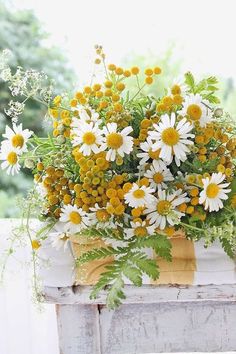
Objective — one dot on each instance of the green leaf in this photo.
(201, 86)
(159, 243)
(212, 80)
(228, 248)
(97, 253)
(189, 80)
(148, 266)
(133, 274)
(115, 294)
(212, 88)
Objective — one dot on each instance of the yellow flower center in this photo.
(158, 178)
(154, 154)
(18, 140)
(75, 217)
(194, 111)
(89, 138)
(170, 136)
(140, 231)
(212, 190)
(114, 140)
(138, 194)
(102, 215)
(12, 158)
(163, 207)
(175, 90)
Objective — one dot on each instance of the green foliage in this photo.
(22, 33)
(206, 87)
(130, 260)
(189, 80)
(228, 247)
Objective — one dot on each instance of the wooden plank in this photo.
(168, 327)
(145, 294)
(78, 329)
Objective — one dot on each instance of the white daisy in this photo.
(75, 218)
(139, 228)
(87, 136)
(139, 196)
(117, 142)
(88, 115)
(17, 137)
(10, 158)
(196, 108)
(214, 192)
(158, 175)
(172, 138)
(148, 153)
(100, 217)
(164, 209)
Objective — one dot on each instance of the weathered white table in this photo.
(151, 320)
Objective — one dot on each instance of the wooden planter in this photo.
(155, 318)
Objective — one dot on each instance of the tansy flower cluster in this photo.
(134, 165)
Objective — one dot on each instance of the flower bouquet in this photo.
(125, 172)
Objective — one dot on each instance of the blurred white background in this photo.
(202, 31)
(201, 34)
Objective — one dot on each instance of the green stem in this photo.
(137, 93)
(191, 226)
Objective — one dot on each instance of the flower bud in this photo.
(60, 139)
(29, 164)
(218, 112)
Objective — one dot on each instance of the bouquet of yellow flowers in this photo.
(130, 169)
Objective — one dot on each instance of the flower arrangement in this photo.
(130, 169)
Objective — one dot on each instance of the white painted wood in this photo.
(145, 294)
(78, 327)
(173, 327)
(151, 320)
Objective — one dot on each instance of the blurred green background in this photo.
(22, 33)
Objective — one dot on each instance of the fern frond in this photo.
(146, 265)
(115, 294)
(134, 274)
(97, 253)
(228, 247)
(159, 243)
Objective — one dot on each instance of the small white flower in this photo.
(87, 136)
(75, 218)
(158, 175)
(139, 196)
(214, 192)
(164, 209)
(148, 153)
(10, 158)
(17, 137)
(172, 138)
(117, 142)
(59, 238)
(197, 109)
(140, 229)
(89, 115)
